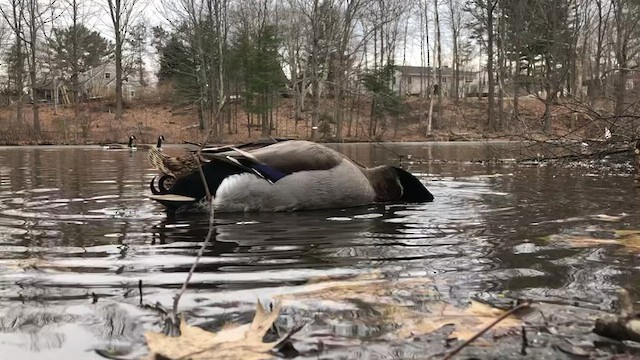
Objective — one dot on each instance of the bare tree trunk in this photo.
(346, 30)
(626, 14)
(490, 70)
(33, 30)
(602, 22)
(454, 13)
(439, 120)
(119, 100)
(120, 14)
(550, 98)
(14, 18)
(75, 81)
(500, 72)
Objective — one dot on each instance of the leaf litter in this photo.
(627, 239)
(231, 342)
(392, 301)
(385, 297)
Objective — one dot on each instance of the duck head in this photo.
(394, 184)
(412, 188)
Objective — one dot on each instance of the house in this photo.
(415, 80)
(95, 83)
(100, 81)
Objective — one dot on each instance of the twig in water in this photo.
(525, 342)
(140, 290)
(176, 299)
(521, 306)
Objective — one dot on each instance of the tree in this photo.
(483, 12)
(455, 23)
(257, 61)
(439, 119)
(77, 49)
(34, 23)
(137, 42)
(384, 100)
(626, 14)
(121, 13)
(202, 28)
(14, 15)
(342, 57)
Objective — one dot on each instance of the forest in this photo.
(556, 68)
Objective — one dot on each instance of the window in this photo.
(409, 80)
(107, 75)
(132, 93)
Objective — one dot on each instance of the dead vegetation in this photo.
(153, 115)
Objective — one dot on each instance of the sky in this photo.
(151, 12)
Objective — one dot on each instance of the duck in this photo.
(289, 175)
(130, 146)
(158, 144)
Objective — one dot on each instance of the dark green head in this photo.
(412, 189)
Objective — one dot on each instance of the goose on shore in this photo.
(130, 146)
(281, 176)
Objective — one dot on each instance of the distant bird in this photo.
(607, 133)
(282, 176)
(149, 146)
(130, 146)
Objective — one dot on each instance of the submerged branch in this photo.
(174, 311)
(506, 314)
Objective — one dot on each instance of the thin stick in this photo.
(176, 299)
(140, 290)
(525, 342)
(487, 328)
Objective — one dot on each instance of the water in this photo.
(77, 234)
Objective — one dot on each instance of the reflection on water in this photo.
(75, 226)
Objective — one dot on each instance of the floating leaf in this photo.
(467, 321)
(232, 342)
(375, 292)
(369, 287)
(627, 232)
(628, 239)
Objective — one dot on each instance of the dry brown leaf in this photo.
(378, 293)
(629, 239)
(368, 288)
(626, 232)
(232, 342)
(467, 321)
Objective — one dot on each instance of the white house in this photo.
(101, 81)
(415, 80)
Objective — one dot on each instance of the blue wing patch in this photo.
(268, 172)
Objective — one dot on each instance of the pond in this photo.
(78, 233)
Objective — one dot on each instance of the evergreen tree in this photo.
(256, 63)
(137, 42)
(92, 49)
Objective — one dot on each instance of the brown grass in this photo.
(151, 116)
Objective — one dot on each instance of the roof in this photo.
(419, 70)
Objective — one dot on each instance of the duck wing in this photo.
(283, 158)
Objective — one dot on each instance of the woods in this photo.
(344, 65)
